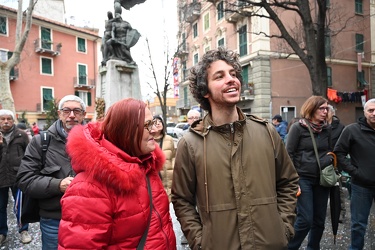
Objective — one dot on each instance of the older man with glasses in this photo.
(13, 142)
(48, 182)
(192, 116)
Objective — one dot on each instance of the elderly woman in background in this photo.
(166, 143)
(312, 203)
(117, 197)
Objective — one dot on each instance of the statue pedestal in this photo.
(118, 80)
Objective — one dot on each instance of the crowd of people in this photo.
(114, 185)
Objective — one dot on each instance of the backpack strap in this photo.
(44, 142)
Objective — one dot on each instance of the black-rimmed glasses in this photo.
(148, 124)
(324, 109)
(76, 111)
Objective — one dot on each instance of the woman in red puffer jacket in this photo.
(107, 205)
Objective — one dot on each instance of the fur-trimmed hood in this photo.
(90, 152)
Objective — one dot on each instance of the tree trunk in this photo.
(6, 98)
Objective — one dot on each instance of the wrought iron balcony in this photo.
(234, 11)
(45, 46)
(82, 82)
(193, 12)
(183, 50)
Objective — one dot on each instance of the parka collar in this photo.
(203, 126)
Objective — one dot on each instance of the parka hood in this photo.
(90, 152)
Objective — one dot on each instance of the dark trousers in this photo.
(311, 214)
(4, 195)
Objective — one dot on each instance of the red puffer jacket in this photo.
(107, 205)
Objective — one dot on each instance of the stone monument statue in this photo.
(118, 38)
(119, 74)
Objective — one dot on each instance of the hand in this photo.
(1, 138)
(64, 184)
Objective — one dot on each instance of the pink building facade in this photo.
(57, 60)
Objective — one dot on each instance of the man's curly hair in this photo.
(198, 73)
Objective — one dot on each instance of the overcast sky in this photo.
(152, 19)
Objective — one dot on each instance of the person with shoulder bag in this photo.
(312, 202)
(48, 182)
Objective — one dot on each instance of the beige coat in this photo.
(167, 172)
(234, 186)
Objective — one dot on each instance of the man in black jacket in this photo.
(48, 183)
(13, 142)
(358, 140)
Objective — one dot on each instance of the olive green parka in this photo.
(234, 186)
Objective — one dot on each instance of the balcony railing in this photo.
(234, 10)
(82, 82)
(193, 12)
(44, 46)
(183, 50)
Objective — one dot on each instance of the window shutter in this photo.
(88, 99)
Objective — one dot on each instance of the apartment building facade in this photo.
(57, 60)
(274, 84)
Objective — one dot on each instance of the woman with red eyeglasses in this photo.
(312, 202)
(117, 200)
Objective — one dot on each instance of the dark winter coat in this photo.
(301, 150)
(337, 128)
(358, 140)
(11, 153)
(234, 186)
(107, 205)
(43, 183)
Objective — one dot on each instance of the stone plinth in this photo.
(118, 80)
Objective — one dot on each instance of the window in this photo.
(184, 71)
(85, 96)
(3, 25)
(81, 44)
(195, 58)
(361, 79)
(327, 44)
(3, 55)
(47, 97)
(183, 43)
(82, 74)
(359, 42)
(195, 30)
(46, 65)
(245, 77)
(358, 7)
(220, 10)
(206, 23)
(242, 32)
(220, 42)
(207, 49)
(46, 39)
(329, 77)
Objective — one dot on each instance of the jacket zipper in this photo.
(161, 226)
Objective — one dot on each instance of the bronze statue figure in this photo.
(118, 37)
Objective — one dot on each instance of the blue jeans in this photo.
(50, 229)
(4, 195)
(311, 214)
(360, 206)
